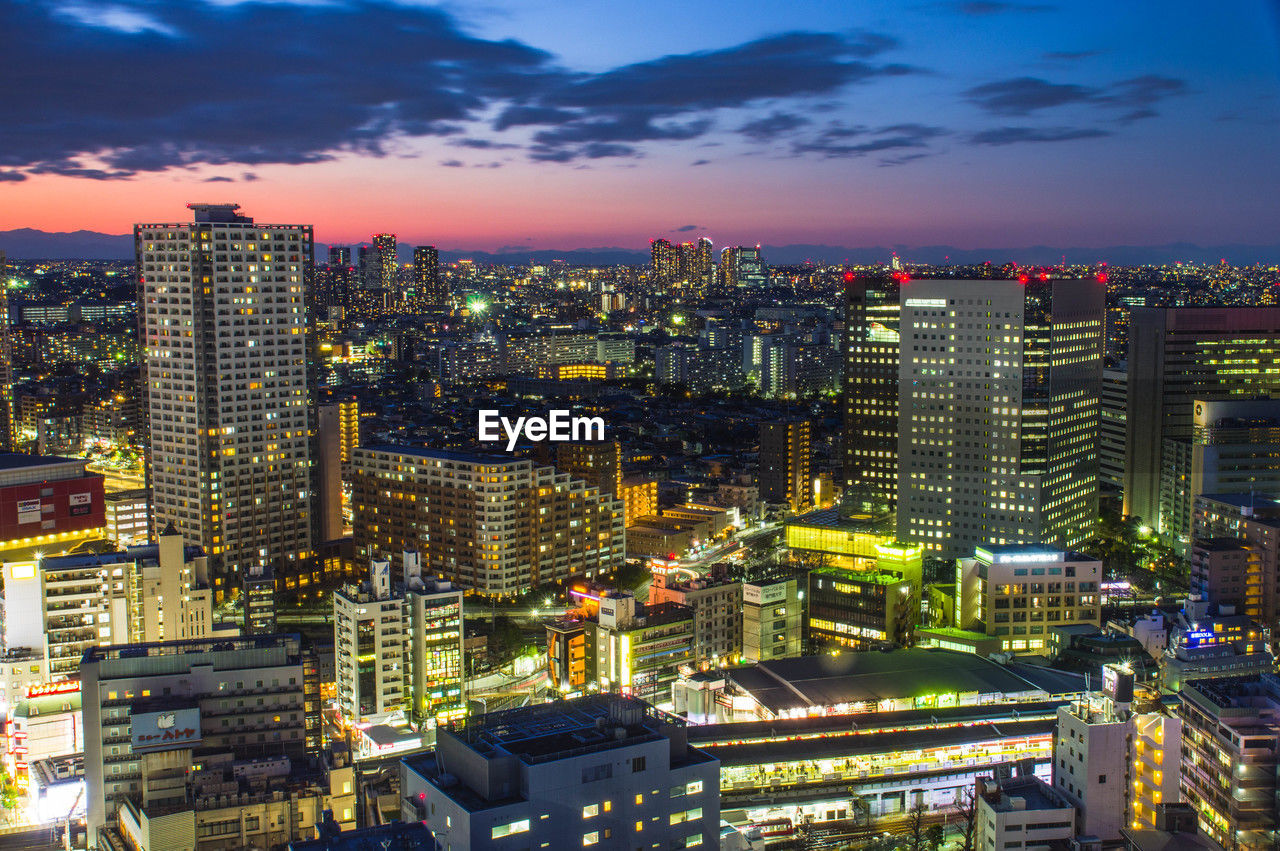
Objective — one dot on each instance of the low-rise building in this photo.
(1023, 813)
(717, 614)
(772, 618)
(601, 771)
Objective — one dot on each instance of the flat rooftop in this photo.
(554, 730)
(19, 460)
(444, 454)
(872, 676)
(1035, 792)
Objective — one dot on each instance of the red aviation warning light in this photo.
(1102, 277)
(848, 277)
(1023, 278)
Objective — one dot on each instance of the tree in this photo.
(916, 828)
(966, 810)
(934, 837)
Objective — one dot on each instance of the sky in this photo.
(504, 124)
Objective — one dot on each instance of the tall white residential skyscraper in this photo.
(998, 396)
(224, 360)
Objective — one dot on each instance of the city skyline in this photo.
(971, 123)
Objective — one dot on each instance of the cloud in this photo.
(482, 144)
(902, 160)
(772, 126)
(997, 136)
(1022, 96)
(654, 101)
(838, 141)
(452, 163)
(700, 162)
(12, 177)
(686, 228)
(104, 90)
(249, 177)
(219, 179)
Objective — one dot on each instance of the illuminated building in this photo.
(1111, 430)
(337, 436)
(379, 264)
(1207, 647)
(429, 287)
(786, 464)
(791, 369)
(716, 603)
(1234, 448)
(869, 396)
(771, 618)
(1017, 592)
(1017, 810)
(664, 261)
(598, 464)
(637, 648)
(398, 648)
(369, 647)
(159, 758)
(495, 524)
(48, 505)
(567, 656)
(45, 723)
(639, 496)
(1178, 355)
(999, 390)
(258, 597)
(598, 771)
(579, 372)
(8, 428)
(1229, 761)
(741, 266)
(866, 608)
(64, 605)
(1235, 554)
(825, 537)
(224, 327)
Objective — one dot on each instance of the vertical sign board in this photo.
(166, 730)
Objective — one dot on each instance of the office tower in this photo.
(8, 431)
(1016, 592)
(496, 524)
(597, 464)
(1021, 812)
(1234, 447)
(335, 284)
(598, 771)
(61, 606)
(224, 324)
(786, 464)
(771, 618)
(1111, 431)
(869, 396)
(381, 263)
(1229, 733)
(173, 727)
(1178, 355)
(339, 255)
(742, 267)
(436, 658)
(429, 286)
(791, 368)
(664, 261)
(998, 396)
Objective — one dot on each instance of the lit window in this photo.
(592, 838)
(502, 830)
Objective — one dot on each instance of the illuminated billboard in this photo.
(167, 730)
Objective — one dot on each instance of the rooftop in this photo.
(1036, 794)
(19, 460)
(556, 730)
(781, 685)
(427, 453)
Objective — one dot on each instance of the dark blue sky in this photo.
(568, 123)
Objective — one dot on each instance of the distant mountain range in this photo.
(29, 244)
